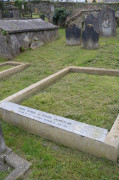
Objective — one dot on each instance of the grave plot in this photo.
(9, 68)
(79, 135)
(86, 98)
(9, 160)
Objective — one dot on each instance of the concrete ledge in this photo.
(20, 165)
(18, 67)
(27, 92)
(64, 131)
(112, 137)
(109, 148)
(95, 71)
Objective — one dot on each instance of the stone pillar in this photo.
(73, 35)
(90, 38)
(2, 142)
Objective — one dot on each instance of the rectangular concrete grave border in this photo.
(18, 67)
(109, 148)
(20, 165)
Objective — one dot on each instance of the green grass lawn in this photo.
(4, 174)
(35, 15)
(2, 68)
(87, 98)
(50, 160)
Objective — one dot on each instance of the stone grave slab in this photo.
(72, 126)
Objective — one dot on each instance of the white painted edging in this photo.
(109, 148)
(18, 67)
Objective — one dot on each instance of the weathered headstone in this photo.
(73, 35)
(2, 142)
(90, 38)
(79, 16)
(107, 22)
(91, 19)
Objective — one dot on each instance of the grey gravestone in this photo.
(91, 19)
(107, 22)
(73, 35)
(2, 142)
(90, 38)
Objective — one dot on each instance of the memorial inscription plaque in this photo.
(69, 125)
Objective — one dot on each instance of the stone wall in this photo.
(10, 13)
(12, 44)
(48, 8)
(111, 1)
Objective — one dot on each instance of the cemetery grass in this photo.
(4, 174)
(2, 68)
(50, 160)
(86, 98)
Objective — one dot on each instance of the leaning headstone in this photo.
(2, 142)
(107, 22)
(90, 38)
(73, 35)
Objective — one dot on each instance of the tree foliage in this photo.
(60, 16)
(19, 3)
(1, 4)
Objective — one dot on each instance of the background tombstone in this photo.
(91, 19)
(73, 35)
(90, 38)
(107, 22)
(2, 142)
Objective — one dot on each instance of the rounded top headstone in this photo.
(90, 38)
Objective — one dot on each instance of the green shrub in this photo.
(60, 16)
(4, 32)
(18, 3)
